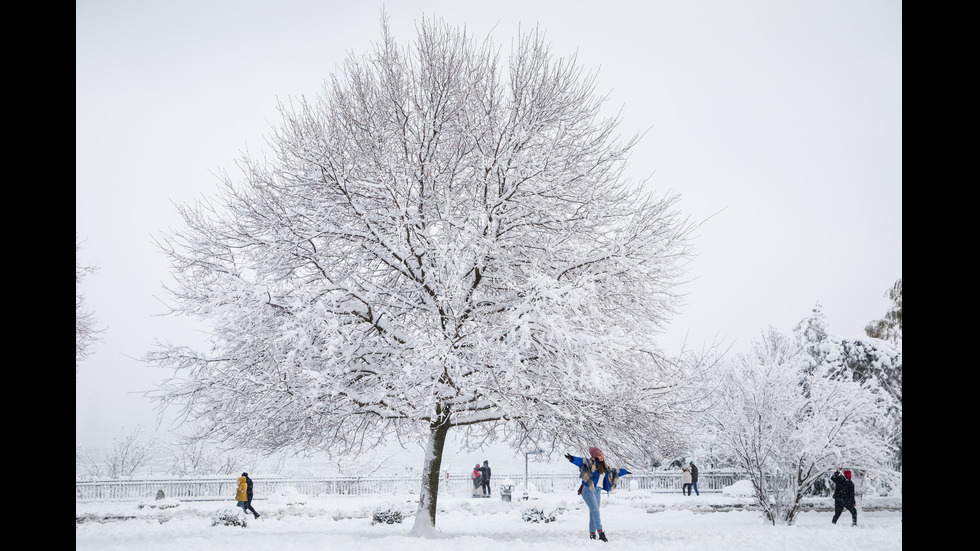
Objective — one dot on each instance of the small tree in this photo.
(228, 465)
(189, 457)
(86, 332)
(128, 453)
(788, 423)
(87, 463)
(440, 241)
(196, 456)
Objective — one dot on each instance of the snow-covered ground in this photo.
(632, 519)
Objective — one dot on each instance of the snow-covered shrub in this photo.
(742, 488)
(532, 513)
(231, 515)
(386, 515)
(291, 496)
(167, 503)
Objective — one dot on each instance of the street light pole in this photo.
(526, 454)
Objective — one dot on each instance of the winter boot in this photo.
(602, 536)
(591, 535)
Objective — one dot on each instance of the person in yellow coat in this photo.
(243, 494)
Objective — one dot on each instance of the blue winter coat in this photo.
(608, 481)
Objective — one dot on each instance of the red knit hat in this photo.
(595, 452)
(847, 474)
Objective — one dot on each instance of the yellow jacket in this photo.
(241, 494)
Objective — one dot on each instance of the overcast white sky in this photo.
(783, 119)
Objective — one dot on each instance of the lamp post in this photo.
(526, 454)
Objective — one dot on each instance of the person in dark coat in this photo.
(844, 496)
(485, 469)
(694, 479)
(244, 494)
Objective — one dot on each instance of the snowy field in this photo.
(632, 519)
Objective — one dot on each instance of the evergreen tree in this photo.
(889, 328)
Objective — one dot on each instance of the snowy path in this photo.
(652, 522)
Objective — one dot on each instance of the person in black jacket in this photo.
(694, 479)
(246, 504)
(844, 496)
(485, 469)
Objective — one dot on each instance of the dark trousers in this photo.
(839, 507)
(486, 488)
(247, 506)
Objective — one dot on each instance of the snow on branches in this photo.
(438, 240)
(796, 407)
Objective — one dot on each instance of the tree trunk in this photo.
(425, 517)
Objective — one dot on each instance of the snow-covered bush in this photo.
(742, 488)
(166, 503)
(291, 496)
(387, 515)
(231, 515)
(533, 513)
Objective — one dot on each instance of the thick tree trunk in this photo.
(425, 517)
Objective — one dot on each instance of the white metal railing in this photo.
(223, 488)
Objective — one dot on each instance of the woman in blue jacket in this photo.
(596, 476)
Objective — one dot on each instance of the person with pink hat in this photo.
(597, 475)
(477, 478)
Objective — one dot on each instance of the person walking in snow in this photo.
(844, 496)
(477, 478)
(694, 479)
(596, 476)
(243, 494)
(485, 470)
(686, 480)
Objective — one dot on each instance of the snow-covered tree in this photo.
(195, 456)
(889, 328)
(86, 332)
(438, 241)
(128, 453)
(788, 422)
(87, 463)
(873, 362)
